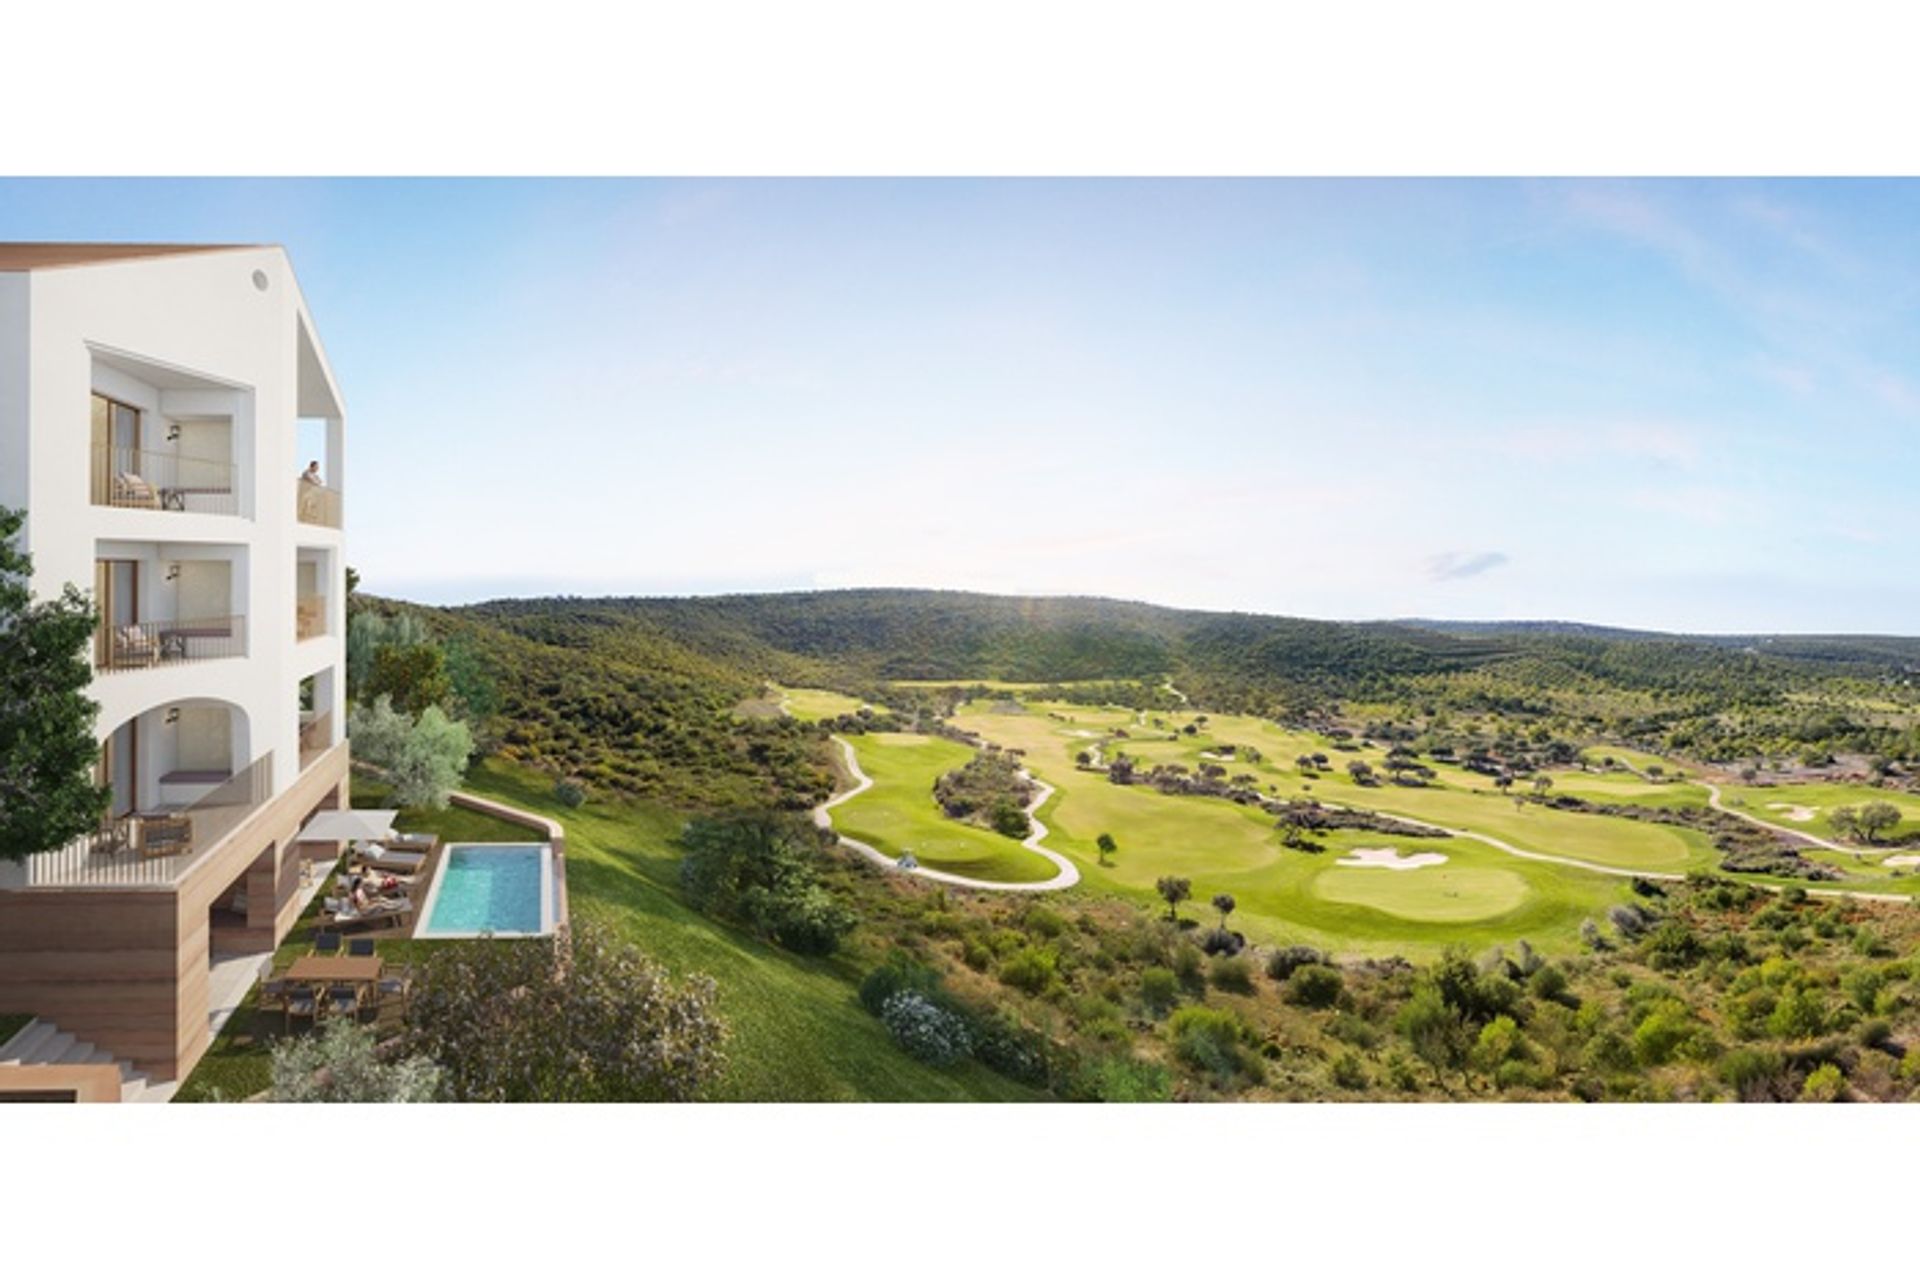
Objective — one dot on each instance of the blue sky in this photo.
(1678, 405)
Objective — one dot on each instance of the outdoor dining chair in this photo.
(326, 943)
(360, 947)
(343, 1000)
(299, 1000)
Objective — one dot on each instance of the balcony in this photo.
(317, 504)
(136, 479)
(150, 849)
(147, 644)
(309, 616)
(316, 738)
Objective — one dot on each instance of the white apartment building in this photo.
(159, 408)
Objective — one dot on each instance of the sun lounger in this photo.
(383, 911)
(381, 858)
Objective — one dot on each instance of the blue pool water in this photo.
(491, 887)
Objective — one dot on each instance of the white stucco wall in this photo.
(188, 336)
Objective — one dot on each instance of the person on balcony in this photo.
(311, 474)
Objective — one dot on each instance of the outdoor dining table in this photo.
(335, 969)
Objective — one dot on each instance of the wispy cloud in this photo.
(1669, 444)
(1455, 565)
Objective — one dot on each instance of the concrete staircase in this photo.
(44, 1043)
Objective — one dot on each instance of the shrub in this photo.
(1314, 985)
(1549, 984)
(1159, 989)
(1800, 1013)
(1433, 1027)
(1824, 1084)
(1349, 1072)
(569, 793)
(1042, 921)
(1499, 1041)
(1628, 920)
(757, 867)
(583, 1016)
(1186, 966)
(1232, 974)
(1124, 1079)
(1010, 1049)
(1283, 962)
(339, 1064)
(924, 1030)
(1750, 1071)
(1031, 968)
(1217, 940)
(900, 972)
(1213, 1041)
(1665, 1032)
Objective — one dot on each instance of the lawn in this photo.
(1810, 806)
(1458, 799)
(813, 704)
(798, 1032)
(1625, 787)
(1638, 760)
(1480, 897)
(898, 814)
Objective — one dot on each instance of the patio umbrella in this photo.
(347, 824)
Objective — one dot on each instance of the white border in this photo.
(420, 932)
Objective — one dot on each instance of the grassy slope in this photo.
(799, 1032)
(898, 813)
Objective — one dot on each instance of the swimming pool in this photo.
(499, 889)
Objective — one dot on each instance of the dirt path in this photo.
(1068, 875)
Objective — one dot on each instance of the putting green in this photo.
(1431, 894)
(898, 815)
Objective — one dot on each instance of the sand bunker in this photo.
(1792, 811)
(1390, 859)
(1902, 860)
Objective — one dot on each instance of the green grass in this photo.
(1640, 760)
(1457, 800)
(898, 813)
(1625, 787)
(1822, 797)
(798, 1032)
(814, 704)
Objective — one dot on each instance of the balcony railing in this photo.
(152, 849)
(135, 479)
(316, 738)
(317, 504)
(167, 643)
(310, 616)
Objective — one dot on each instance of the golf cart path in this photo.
(1665, 875)
(1068, 875)
(1713, 801)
